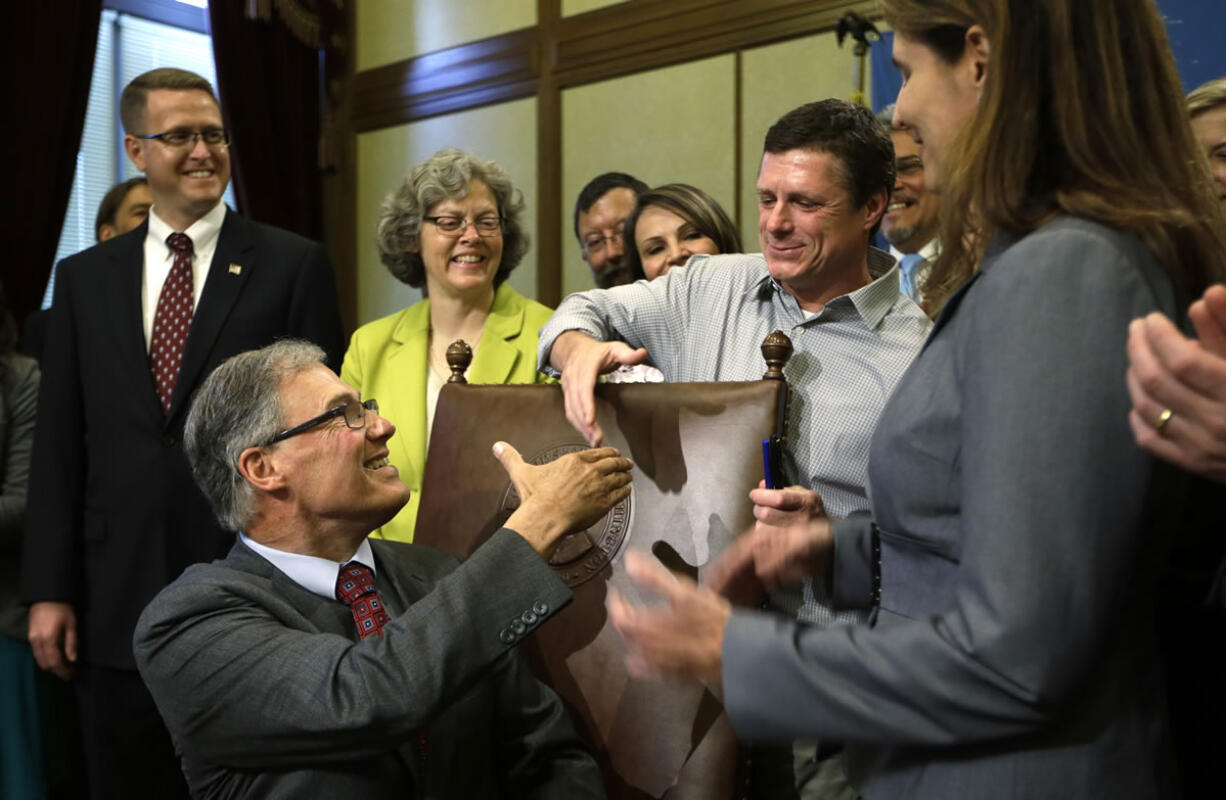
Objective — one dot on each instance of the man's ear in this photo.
(107, 231)
(874, 208)
(978, 50)
(135, 149)
(259, 468)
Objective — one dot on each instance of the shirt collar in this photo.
(871, 301)
(203, 232)
(928, 252)
(316, 575)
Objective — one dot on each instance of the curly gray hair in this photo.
(446, 174)
(239, 406)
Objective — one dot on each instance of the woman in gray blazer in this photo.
(1017, 530)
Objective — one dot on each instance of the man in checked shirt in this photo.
(823, 186)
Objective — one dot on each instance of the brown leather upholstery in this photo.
(697, 453)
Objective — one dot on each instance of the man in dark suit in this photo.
(313, 662)
(114, 515)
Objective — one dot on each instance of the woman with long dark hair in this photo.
(1017, 533)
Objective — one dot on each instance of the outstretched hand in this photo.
(683, 637)
(581, 360)
(567, 494)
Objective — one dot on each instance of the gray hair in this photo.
(446, 174)
(239, 406)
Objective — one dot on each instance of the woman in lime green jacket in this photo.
(453, 227)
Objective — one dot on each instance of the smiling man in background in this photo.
(912, 218)
(136, 323)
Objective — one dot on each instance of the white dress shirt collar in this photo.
(316, 575)
(203, 232)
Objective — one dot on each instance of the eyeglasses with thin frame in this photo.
(596, 243)
(180, 137)
(451, 225)
(354, 413)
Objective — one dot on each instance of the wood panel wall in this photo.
(557, 53)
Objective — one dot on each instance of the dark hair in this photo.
(1081, 113)
(108, 209)
(601, 185)
(446, 174)
(691, 204)
(8, 328)
(850, 133)
(135, 95)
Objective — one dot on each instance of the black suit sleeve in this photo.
(50, 567)
(314, 309)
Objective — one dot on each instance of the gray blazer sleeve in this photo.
(1051, 514)
(21, 399)
(267, 695)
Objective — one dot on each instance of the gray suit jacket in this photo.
(1021, 532)
(18, 409)
(268, 693)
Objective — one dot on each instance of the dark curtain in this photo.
(270, 96)
(50, 47)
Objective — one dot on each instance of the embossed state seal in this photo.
(583, 554)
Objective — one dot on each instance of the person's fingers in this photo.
(1209, 317)
(70, 641)
(578, 395)
(1186, 361)
(621, 354)
(774, 516)
(594, 454)
(48, 655)
(736, 561)
(509, 457)
(1152, 373)
(651, 574)
(793, 498)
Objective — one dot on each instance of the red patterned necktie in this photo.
(172, 320)
(355, 587)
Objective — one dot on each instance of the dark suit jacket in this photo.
(114, 514)
(269, 693)
(18, 410)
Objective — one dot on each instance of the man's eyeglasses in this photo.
(452, 226)
(354, 413)
(595, 243)
(178, 138)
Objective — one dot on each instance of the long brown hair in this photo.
(1082, 114)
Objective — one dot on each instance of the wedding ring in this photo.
(1163, 418)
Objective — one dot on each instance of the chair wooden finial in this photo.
(459, 356)
(776, 349)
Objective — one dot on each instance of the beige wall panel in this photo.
(572, 7)
(505, 133)
(671, 124)
(774, 80)
(393, 30)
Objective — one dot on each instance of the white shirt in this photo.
(316, 575)
(159, 258)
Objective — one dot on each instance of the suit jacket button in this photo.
(518, 626)
(506, 636)
(541, 608)
(529, 617)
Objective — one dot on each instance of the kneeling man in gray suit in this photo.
(313, 662)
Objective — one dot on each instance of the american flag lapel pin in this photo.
(236, 269)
